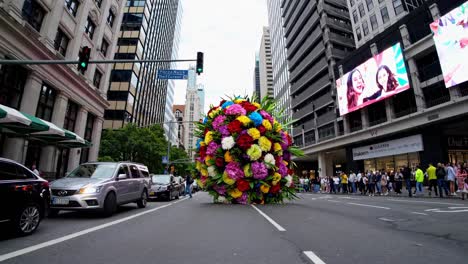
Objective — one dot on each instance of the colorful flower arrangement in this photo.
(243, 153)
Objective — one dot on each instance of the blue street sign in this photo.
(172, 74)
(164, 160)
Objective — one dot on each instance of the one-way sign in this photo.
(172, 74)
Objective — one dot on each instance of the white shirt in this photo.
(336, 180)
(36, 172)
(359, 177)
(352, 177)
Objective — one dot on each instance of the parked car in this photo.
(101, 186)
(24, 197)
(164, 186)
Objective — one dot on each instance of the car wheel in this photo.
(53, 213)
(143, 200)
(27, 219)
(110, 204)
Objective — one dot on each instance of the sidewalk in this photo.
(404, 194)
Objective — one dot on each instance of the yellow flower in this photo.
(265, 144)
(254, 133)
(204, 172)
(228, 180)
(238, 101)
(264, 188)
(244, 120)
(277, 147)
(285, 163)
(214, 112)
(198, 165)
(267, 124)
(202, 143)
(209, 160)
(276, 178)
(235, 193)
(227, 157)
(256, 104)
(208, 137)
(247, 170)
(254, 152)
(200, 183)
(278, 126)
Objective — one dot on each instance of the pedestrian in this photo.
(419, 180)
(451, 176)
(432, 177)
(301, 184)
(465, 188)
(378, 182)
(352, 180)
(407, 178)
(371, 187)
(306, 184)
(399, 181)
(441, 175)
(323, 185)
(188, 184)
(391, 181)
(334, 184)
(364, 183)
(344, 182)
(384, 183)
(34, 169)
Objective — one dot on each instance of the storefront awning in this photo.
(13, 121)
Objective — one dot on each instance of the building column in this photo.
(50, 25)
(389, 110)
(364, 118)
(96, 139)
(322, 166)
(80, 126)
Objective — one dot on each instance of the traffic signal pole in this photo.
(39, 62)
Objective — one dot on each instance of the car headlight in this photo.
(90, 189)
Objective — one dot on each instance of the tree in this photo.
(180, 159)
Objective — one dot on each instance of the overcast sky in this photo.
(229, 33)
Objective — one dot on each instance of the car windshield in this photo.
(95, 171)
(162, 179)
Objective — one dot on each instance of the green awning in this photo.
(77, 142)
(13, 121)
(54, 133)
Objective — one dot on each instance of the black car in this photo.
(164, 186)
(24, 197)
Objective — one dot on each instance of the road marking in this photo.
(334, 201)
(418, 213)
(386, 219)
(315, 259)
(4, 221)
(438, 210)
(280, 228)
(373, 206)
(78, 234)
(349, 198)
(398, 200)
(458, 208)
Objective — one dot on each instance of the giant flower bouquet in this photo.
(243, 153)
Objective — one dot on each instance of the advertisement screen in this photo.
(378, 78)
(451, 39)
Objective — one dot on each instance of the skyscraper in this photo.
(201, 94)
(281, 87)
(193, 113)
(266, 70)
(256, 76)
(148, 31)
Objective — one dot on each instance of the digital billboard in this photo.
(380, 77)
(451, 39)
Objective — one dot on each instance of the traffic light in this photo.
(199, 62)
(84, 58)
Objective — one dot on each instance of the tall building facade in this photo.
(256, 76)
(70, 99)
(148, 32)
(266, 69)
(193, 113)
(179, 111)
(318, 35)
(371, 17)
(281, 87)
(201, 94)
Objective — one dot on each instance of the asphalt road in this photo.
(315, 229)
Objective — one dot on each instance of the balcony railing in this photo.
(405, 112)
(378, 121)
(437, 101)
(356, 128)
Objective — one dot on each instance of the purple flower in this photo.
(224, 131)
(284, 141)
(266, 115)
(212, 147)
(287, 156)
(282, 169)
(220, 189)
(235, 110)
(259, 170)
(234, 171)
(218, 121)
(243, 199)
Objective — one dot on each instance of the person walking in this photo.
(34, 169)
(344, 182)
(407, 178)
(335, 183)
(371, 187)
(378, 182)
(399, 181)
(188, 185)
(432, 177)
(419, 180)
(359, 181)
(441, 175)
(384, 184)
(364, 183)
(352, 181)
(451, 177)
(307, 185)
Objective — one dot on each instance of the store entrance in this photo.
(458, 156)
(392, 163)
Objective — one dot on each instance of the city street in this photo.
(315, 229)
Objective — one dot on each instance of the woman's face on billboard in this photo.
(358, 82)
(382, 76)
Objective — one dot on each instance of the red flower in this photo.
(220, 162)
(206, 131)
(248, 106)
(222, 102)
(262, 130)
(289, 140)
(235, 127)
(202, 152)
(290, 172)
(245, 142)
(243, 185)
(275, 188)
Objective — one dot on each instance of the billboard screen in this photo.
(378, 78)
(451, 39)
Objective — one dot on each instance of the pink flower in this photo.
(212, 148)
(224, 131)
(243, 199)
(266, 115)
(220, 189)
(234, 171)
(235, 110)
(218, 121)
(259, 170)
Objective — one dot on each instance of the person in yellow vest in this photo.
(419, 180)
(432, 177)
(344, 182)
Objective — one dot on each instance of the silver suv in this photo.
(101, 186)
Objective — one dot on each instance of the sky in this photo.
(229, 33)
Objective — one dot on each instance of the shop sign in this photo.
(389, 148)
(457, 141)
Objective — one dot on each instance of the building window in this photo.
(98, 3)
(97, 79)
(373, 22)
(104, 47)
(384, 13)
(70, 116)
(72, 6)
(370, 5)
(45, 107)
(365, 28)
(355, 16)
(12, 81)
(88, 136)
(89, 28)
(398, 6)
(33, 13)
(136, 3)
(111, 18)
(61, 42)
(362, 12)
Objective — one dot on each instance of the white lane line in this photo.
(77, 234)
(349, 198)
(458, 208)
(386, 219)
(408, 201)
(315, 259)
(418, 213)
(280, 228)
(373, 206)
(334, 201)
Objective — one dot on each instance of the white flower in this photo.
(269, 159)
(221, 199)
(289, 180)
(212, 171)
(228, 143)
